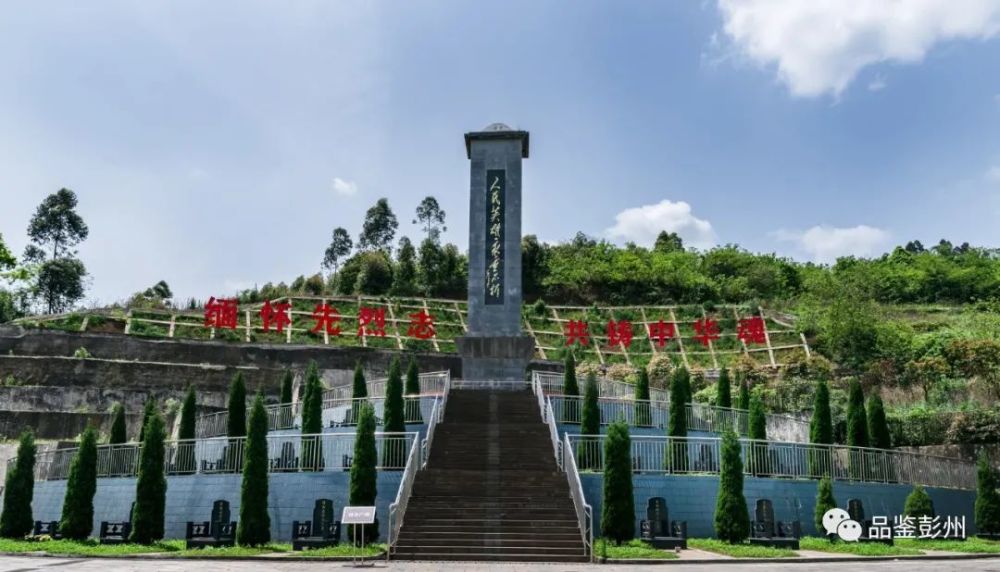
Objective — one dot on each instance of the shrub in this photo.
(987, 499)
(660, 369)
(119, 434)
(254, 527)
(19, 489)
(237, 420)
(620, 372)
(363, 485)
(643, 415)
(723, 393)
(78, 505)
(824, 502)
(394, 450)
(588, 456)
(918, 503)
(151, 486)
(618, 508)
(732, 521)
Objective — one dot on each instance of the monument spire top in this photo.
(497, 131)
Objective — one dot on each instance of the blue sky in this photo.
(216, 145)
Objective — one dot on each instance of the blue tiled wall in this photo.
(692, 498)
(291, 496)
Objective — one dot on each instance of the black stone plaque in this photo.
(496, 190)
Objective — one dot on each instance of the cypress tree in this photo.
(643, 415)
(151, 486)
(618, 508)
(119, 433)
(685, 378)
(286, 387)
(723, 391)
(237, 421)
(757, 422)
(188, 411)
(857, 418)
(413, 388)
(824, 502)
(878, 428)
(918, 503)
(744, 397)
(148, 410)
(987, 510)
(590, 426)
(676, 459)
(394, 450)
(78, 505)
(732, 521)
(358, 390)
(19, 489)
(363, 482)
(571, 406)
(820, 428)
(312, 420)
(254, 528)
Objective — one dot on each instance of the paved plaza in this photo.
(27, 564)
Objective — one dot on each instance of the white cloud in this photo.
(826, 243)
(993, 174)
(818, 46)
(642, 224)
(345, 188)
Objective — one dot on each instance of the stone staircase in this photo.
(492, 490)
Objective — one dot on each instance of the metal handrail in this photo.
(397, 510)
(779, 459)
(286, 453)
(584, 512)
(552, 383)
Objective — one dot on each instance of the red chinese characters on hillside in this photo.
(706, 330)
(222, 313)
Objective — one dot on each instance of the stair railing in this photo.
(584, 513)
(397, 510)
(549, 418)
(437, 412)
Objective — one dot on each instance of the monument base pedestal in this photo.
(495, 358)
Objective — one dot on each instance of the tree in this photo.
(987, 510)
(590, 426)
(254, 528)
(413, 388)
(359, 390)
(743, 401)
(924, 373)
(571, 406)
(119, 433)
(732, 521)
(534, 266)
(857, 418)
(340, 246)
(677, 421)
(56, 226)
(667, 242)
(286, 387)
(151, 486)
(78, 505)
(757, 429)
(430, 268)
(379, 227)
(878, 428)
(824, 502)
(19, 489)
(404, 279)
(618, 508)
(643, 414)
(394, 420)
(148, 411)
(821, 424)
(236, 425)
(723, 390)
(159, 290)
(918, 503)
(7, 260)
(363, 480)
(312, 419)
(189, 410)
(430, 215)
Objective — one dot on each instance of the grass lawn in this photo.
(87, 547)
(235, 551)
(633, 549)
(972, 544)
(343, 550)
(858, 548)
(740, 550)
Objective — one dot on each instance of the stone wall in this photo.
(291, 496)
(692, 499)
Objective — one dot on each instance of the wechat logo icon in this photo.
(837, 521)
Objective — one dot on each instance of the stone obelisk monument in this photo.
(495, 348)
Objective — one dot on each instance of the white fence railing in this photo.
(552, 383)
(430, 383)
(584, 513)
(550, 419)
(697, 455)
(397, 510)
(286, 453)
